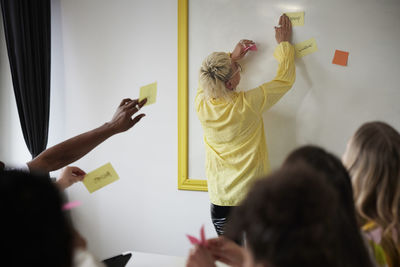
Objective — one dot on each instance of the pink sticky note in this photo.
(71, 205)
(203, 236)
(195, 241)
(251, 47)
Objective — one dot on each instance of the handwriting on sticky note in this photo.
(100, 177)
(297, 18)
(150, 92)
(305, 48)
(340, 58)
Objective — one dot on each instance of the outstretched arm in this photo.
(76, 147)
(266, 95)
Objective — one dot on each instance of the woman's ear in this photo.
(228, 85)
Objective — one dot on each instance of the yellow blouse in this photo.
(234, 138)
(373, 233)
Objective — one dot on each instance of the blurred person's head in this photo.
(35, 230)
(372, 157)
(328, 164)
(287, 220)
(352, 247)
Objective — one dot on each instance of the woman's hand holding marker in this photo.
(242, 48)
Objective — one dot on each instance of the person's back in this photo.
(373, 159)
(232, 122)
(235, 146)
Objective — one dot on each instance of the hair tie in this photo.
(209, 72)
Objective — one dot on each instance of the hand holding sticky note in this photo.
(100, 177)
(251, 48)
(150, 92)
(195, 241)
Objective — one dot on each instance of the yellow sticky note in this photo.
(307, 47)
(297, 18)
(100, 177)
(150, 92)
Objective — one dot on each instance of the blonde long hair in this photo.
(214, 72)
(373, 160)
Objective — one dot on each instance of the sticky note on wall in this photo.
(305, 48)
(100, 177)
(340, 58)
(150, 92)
(297, 18)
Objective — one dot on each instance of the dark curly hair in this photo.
(352, 250)
(35, 230)
(287, 220)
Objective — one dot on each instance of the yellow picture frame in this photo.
(184, 182)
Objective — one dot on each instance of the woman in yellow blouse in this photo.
(236, 150)
(373, 159)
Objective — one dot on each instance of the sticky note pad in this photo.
(71, 205)
(340, 58)
(150, 92)
(251, 48)
(100, 177)
(297, 18)
(195, 241)
(305, 48)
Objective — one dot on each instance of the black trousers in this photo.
(219, 217)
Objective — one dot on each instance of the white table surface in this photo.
(142, 259)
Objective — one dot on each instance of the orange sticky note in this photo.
(340, 58)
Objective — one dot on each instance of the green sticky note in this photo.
(150, 92)
(100, 177)
(297, 18)
(307, 47)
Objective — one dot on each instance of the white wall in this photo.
(109, 50)
(327, 102)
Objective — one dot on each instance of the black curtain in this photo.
(27, 30)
